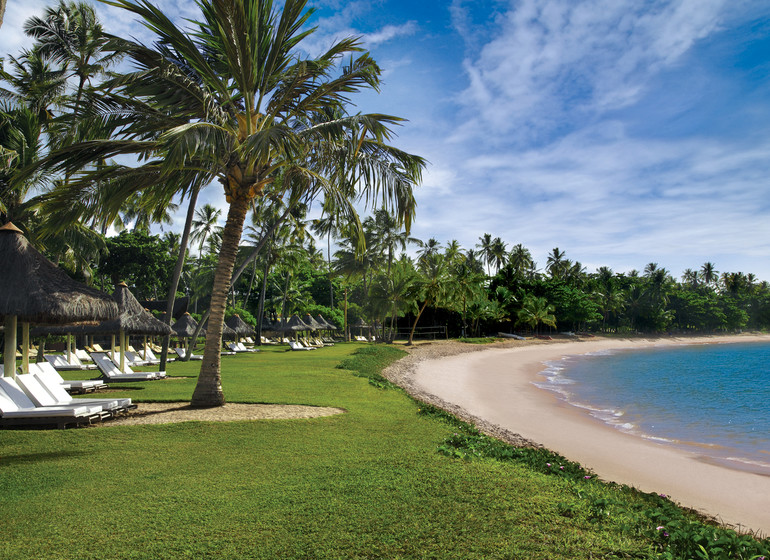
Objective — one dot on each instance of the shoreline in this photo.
(495, 389)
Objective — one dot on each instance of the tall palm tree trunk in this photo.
(414, 326)
(177, 274)
(208, 391)
(261, 307)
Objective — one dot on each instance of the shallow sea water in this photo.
(710, 398)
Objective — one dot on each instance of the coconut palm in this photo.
(70, 34)
(485, 250)
(520, 259)
(691, 277)
(497, 253)
(709, 273)
(556, 263)
(204, 225)
(428, 248)
(390, 235)
(232, 98)
(432, 286)
(536, 310)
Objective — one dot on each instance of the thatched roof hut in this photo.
(185, 326)
(133, 318)
(310, 321)
(181, 305)
(35, 290)
(294, 324)
(241, 327)
(327, 324)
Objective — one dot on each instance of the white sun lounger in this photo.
(40, 397)
(74, 385)
(181, 353)
(238, 347)
(111, 371)
(134, 359)
(243, 348)
(298, 346)
(60, 362)
(16, 409)
(41, 394)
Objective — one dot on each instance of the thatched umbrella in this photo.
(361, 325)
(185, 327)
(132, 318)
(294, 324)
(34, 290)
(327, 324)
(310, 321)
(241, 327)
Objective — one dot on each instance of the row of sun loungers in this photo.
(111, 372)
(37, 399)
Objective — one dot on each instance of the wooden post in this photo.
(9, 358)
(24, 347)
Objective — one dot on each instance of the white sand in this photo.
(497, 385)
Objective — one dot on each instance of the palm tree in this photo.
(432, 285)
(392, 292)
(234, 100)
(520, 259)
(204, 225)
(390, 235)
(691, 277)
(485, 250)
(428, 248)
(498, 253)
(454, 252)
(709, 273)
(71, 35)
(556, 263)
(536, 310)
(327, 226)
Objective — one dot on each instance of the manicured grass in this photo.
(391, 478)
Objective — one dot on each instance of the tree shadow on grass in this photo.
(21, 458)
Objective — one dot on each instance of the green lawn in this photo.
(370, 483)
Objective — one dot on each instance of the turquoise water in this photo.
(712, 398)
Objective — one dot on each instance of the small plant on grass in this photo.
(369, 361)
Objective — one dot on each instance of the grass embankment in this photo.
(384, 480)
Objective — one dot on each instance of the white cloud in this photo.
(554, 60)
(388, 33)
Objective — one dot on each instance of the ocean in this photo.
(713, 399)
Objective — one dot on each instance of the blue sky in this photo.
(622, 132)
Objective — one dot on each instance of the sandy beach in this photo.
(495, 387)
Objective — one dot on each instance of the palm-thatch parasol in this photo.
(185, 328)
(294, 324)
(132, 318)
(327, 324)
(361, 325)
(310, 321)
(34, 290)
(241, 327)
